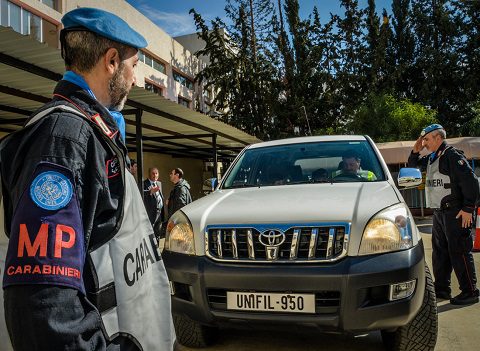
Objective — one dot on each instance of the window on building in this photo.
(15, 20)
(148, 61)
(187, 82)
(151, 61)
(26, 23)
(54, 4)
(184, 102)
(4, 13)
(36, 27)
(150, 86)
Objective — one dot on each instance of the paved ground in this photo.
(459, 327)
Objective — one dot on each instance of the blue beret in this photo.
(430, 128)
(105, 24)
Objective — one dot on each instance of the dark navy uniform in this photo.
(82, 269)
(451, 186)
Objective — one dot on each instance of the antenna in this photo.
(306, 117)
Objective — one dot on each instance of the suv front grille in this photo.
(295, 244)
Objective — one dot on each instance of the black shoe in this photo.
(465, 298)
(443, 295)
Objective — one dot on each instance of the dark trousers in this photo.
(452, 248)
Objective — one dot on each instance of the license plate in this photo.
(272, 302)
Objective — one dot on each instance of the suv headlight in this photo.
(179, 234)
(391, 229)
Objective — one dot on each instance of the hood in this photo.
(183, 182)
(353, 203)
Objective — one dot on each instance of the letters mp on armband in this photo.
(46, 243)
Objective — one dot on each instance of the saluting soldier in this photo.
(452, 190)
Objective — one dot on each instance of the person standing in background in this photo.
(133, 167)
(180, 194)
(153, 199)
(452, 190)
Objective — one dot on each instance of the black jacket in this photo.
(463, 181)
(155, 210)
(46, 316)
(179, 197)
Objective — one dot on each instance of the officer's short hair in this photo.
(179, 172)
(82, 49)
(441, 132)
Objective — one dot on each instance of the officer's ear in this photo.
(111, 60)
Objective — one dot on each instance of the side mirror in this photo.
(409, 177)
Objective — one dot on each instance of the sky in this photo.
(173, 16)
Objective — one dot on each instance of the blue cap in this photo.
(105, 24)
(430, 128)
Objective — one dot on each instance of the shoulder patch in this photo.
(113, 167)
(51, 190)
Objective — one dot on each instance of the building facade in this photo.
(166, 67)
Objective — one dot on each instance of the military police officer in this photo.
(451, 189)
(82, 268)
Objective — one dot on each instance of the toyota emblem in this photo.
(272, 237)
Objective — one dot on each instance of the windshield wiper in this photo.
(242, 185)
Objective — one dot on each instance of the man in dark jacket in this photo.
(451, 189)
(80, 246)
(180, 194)
(153, 196)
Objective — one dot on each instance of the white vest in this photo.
(130, 271)
(435, 183)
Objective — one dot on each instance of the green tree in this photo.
(438, 72)
(385, 118)
(243, 78)
(402, 51)
(350, 77)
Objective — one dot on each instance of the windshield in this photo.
(316, 162)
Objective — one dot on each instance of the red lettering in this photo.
(60, 270)
(27, 269)
(40, 242)
(36, 270)
(18, 270)
(46, 269)
(11, 270)
(59, 243)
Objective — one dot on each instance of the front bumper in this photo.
(351, 295)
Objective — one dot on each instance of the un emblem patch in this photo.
(51, 190)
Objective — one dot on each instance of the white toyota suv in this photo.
(309, 232)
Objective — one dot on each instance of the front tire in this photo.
(421, 333)
(193, 334)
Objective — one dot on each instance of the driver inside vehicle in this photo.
(350, 167)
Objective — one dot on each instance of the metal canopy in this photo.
(29, 71)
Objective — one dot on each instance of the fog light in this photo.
(402, 290)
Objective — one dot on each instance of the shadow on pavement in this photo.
(248, 340)
(424, 224)
(448, 307)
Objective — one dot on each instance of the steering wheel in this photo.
(348, 176)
